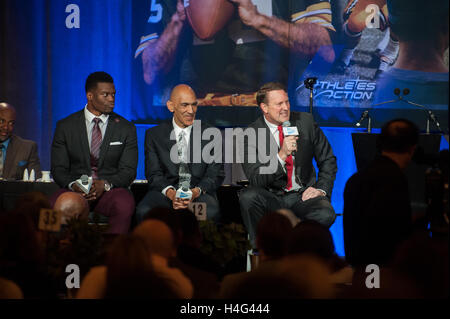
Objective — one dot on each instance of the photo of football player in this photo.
(264, 40)
(357, 16)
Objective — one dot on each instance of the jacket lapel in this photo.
(11, 153)
(81, 125)
(112, 122)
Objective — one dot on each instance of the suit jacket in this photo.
(71, 155)
(377, 212)
(162, 172)
(311, 143)
(20, 155)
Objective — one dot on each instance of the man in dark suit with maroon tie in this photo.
(100, 143)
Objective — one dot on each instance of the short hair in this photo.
(272, 233)
(261, 95)
(411, 20)
(97, 77)
(398, 136)
(311, 237)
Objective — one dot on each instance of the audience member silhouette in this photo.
(22, 258)
(130, 272)
(377, 210)
(198, 267)
(310, 237)
(71, 205)
(300, 277)
(272, 234)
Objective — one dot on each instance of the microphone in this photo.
(434, 119)
(363, 116)
(289, 130)
(397, 91)
(84, 179)
(184, 188)
(310, 82)
(406, 91)
(84, 183)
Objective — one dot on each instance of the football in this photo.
(207, 17)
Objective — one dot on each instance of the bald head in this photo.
(183, 104)
(157, 236)
(180, 90)
(7, 121)
(72, 205)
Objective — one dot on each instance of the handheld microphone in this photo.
(363, 116)
(184, 189)
(84, 183)
(289, 130)
(84, 179)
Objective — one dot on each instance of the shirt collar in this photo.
(273, 127)
(89, 116)
(187, 130)
(6, 143)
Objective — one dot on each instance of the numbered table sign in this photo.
(199, 210)
(50, 220)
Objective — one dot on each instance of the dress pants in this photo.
(256, 201)
(156, 199)
(117, 204)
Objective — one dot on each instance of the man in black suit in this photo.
(16, 153)
(100, 143)
(291, 183)
(162, 167)
(377, 209)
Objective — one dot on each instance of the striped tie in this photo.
(96, 142)
(1, 158)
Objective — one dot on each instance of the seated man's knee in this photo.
(248, 195)
(327, 214)
(124, 201)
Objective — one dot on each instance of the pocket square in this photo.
(22, 163)
(115, 143)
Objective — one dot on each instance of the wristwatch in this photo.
(107, 186)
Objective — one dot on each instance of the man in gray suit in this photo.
(16, 153)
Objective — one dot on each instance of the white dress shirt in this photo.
(187, 135)
(89, 120)
(90, 123)
(276, 135)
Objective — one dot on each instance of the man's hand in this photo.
(195, 193)
(89, 197)
(99, 187)
(180, 14)
(311, 192)
(289, 145)
(177, 203)
(247, 11)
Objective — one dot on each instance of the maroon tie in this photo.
(96, 142)
(289, 161)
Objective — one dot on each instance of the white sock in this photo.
(390, 52)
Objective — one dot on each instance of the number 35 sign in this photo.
(49, 220)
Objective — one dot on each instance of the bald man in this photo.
(158, 239)
(72, 205)
(16, 153)
(162, 172)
